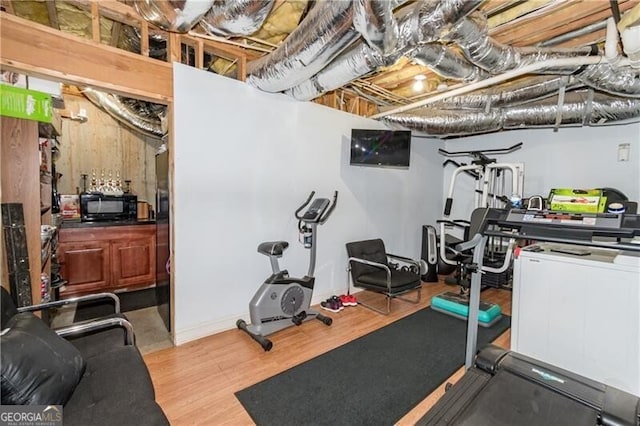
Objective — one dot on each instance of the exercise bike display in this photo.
(283, 301)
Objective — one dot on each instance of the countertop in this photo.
(79, 224)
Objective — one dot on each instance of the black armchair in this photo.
(372, 268)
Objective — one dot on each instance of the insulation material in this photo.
(282, 20)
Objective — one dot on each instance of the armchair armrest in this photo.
(64, 302)
(404, 259)
(375, 265)
(83, 327)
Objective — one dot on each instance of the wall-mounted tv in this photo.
(382, 148)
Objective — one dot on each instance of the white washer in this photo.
(581, 313)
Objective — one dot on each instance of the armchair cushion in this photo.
(38, 366)
(400, 280)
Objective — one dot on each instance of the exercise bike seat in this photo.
(273, 248)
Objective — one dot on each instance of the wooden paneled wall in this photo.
(103, 143)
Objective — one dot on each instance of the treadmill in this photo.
(506, 388)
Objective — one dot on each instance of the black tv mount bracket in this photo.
(479, 156)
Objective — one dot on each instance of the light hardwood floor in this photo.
(195, 382)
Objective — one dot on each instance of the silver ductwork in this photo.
(612, 79)
(363, 58)
(236, 17)
(173, 15)
(579, 108)
(471, 35)
(374, 20)
(514, 92)
(357, 61)
(321, 36)
(144, 119)
(444, 61)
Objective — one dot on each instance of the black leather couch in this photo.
(95, 371)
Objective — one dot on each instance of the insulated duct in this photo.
(324, 33)
(236, 17)
(583, 107)
(471, 35)
(363, 58)
(173, 15)
(511, 93)
(374, 20)
(444, 61)
(143, 117)
(328, 30)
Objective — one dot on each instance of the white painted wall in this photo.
(569, 158)
(244, 161)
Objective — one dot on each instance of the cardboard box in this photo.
(577, 200)
(70, 206)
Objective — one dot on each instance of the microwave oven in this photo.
(96, 207)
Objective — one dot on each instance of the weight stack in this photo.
(15, 238)
(429, 253)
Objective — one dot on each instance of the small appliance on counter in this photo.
(96, 206)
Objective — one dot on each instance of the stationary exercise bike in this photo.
(283, 301)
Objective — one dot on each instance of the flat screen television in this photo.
(382, 148)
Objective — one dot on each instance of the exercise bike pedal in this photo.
(325, 320)
(297, 319)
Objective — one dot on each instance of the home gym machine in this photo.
(283, 301)
(491, 189)
(504, 388)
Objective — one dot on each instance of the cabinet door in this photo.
(85, 265)
(133, 261)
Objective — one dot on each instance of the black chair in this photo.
(459, 261)
(372, 268)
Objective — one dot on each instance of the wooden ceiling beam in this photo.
(494, 7)
(116, 29)
(53, 14)
(537, 37)
(570, 11)
(521, 10)
(38, 50)
(7, 6)
(95, 22)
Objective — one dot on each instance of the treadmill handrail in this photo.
(494, 218)
(546, 238)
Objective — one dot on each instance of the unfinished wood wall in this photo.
(103, 143)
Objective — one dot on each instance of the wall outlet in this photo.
(624, 151)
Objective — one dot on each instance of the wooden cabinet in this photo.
(107, 258)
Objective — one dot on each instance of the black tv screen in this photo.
(385, 148)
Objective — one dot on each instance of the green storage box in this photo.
(577, 200)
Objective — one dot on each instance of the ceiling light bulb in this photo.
(418, 85)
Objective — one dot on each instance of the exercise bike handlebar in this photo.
(326, 215)
(297, 213)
